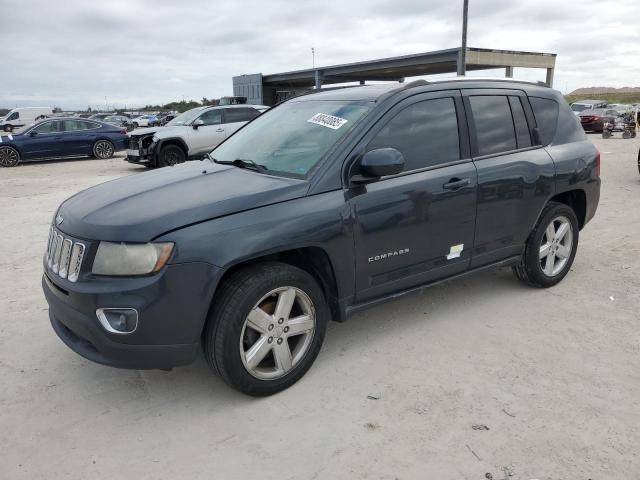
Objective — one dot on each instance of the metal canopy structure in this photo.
(269, 89)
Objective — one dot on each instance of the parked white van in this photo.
(19, 117)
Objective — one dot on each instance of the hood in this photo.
(162, 132)
(142, 131)
(141, 207)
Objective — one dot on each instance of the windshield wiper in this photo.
(242, 163)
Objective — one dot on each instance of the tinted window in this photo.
(494, 124)
(546, 113)
(48, 127)
(426, 133)
(232, 115)
(73, 125)
(520, 121)
(212, 117)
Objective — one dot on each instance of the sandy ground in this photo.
(554, 375)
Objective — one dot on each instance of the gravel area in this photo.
(476, 378)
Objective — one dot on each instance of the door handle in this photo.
(220, 130)
(456, 183)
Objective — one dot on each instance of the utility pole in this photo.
(313, 57)
(462, 57)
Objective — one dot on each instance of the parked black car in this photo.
(325, 205)
(61, 137)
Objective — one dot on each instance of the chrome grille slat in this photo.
(76, 261)
(64, 255)
(56, 255)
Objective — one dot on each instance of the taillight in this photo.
(597, 161)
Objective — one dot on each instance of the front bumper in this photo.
(140, 156)
(172, 305)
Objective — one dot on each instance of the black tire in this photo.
(135, 125)
(9, 156)
(171, 155)
(606, 134)
(8, 128)
(103, 149)
(626, 134)
(530, 270)
(235, 299)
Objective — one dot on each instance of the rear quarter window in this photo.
(546, 112)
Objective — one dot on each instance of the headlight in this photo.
(130, 258)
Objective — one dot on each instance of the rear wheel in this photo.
(9, 157)
(266, 328)
(8, 128)
(103, 149)
(171, 155)
(551, 247)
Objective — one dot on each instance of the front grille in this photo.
(133, 144)
(64, 255)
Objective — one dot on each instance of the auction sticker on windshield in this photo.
(327, 120)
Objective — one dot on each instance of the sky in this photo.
(79, 53)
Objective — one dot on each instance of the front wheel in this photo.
(9, 157)
(551, 247)
(171, 155)
(266, 328)
(103, 149)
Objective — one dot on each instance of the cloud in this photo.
(75, 53)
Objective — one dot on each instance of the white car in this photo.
(190, 135)
(19, 117)
(144, 121)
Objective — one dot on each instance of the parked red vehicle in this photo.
(594, 120)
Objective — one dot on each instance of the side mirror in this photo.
(33, 133)
(197, 123)
(379, 163)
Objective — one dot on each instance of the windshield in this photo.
(293, 137)
(186, 118)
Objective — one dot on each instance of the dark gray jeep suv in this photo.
(322, 206)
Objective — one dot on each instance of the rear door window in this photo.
(75, 125)
(546, 112)
(233, 115)
(494, 127)
(426, 133)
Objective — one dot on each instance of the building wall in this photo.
(249, 86)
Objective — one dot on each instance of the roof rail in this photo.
(491, 79)
(402, 87)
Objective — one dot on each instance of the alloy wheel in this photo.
(103, 149)
(8, 157)
(171, 158)
(277, 333)
(556, 245)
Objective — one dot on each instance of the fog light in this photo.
(118, 320)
